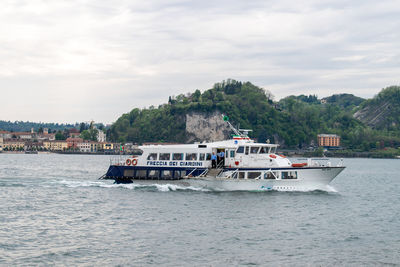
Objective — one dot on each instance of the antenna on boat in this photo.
(240, 132)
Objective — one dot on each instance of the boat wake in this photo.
(176, 187)
(133, 186)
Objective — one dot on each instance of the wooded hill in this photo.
(293, 122)
(26, 126)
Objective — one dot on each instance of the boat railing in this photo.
(221, 171)
(273, 173)
(232, 174)
(204, 173)
(119, 161)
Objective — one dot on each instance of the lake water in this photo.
(54, 211)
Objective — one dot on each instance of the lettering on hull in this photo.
(174, 163)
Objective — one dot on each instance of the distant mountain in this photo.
(383, 111)
(26, 126)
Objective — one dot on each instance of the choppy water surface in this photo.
(54, 211)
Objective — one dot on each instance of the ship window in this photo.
(253, 175)
(263, 150)
(177, 156)
(165, 156)
(141, 173)
(166, 174)
(154, 173)
(208, 156)
(232, 153)
(178, 174)
(202, 156)
(128, 173)
(240, 149)
(289, 175)
(254, 149)
(246, 150)
(242, 175)
(191, 156)
(152, 156)
(270, 175)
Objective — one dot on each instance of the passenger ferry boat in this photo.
(245, 165)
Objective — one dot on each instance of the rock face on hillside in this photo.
(375, 116)
(206, 127)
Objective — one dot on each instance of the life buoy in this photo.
(128, 162)
(272, 156)
(134, 162)
(299, 164)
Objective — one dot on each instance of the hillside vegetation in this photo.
(26, 126)
(293, 122)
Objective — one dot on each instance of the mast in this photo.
(239, 132)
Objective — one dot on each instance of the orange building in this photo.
(329, 140)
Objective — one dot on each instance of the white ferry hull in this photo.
(309, 179)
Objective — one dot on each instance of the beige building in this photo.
(1, 144)
(59, 145)
(13, 144)
(328, 140)
(89, 146)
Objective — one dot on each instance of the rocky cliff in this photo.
(206, 127)
(374, 116)
(382, 111)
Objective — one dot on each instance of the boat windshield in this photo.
(263, 150)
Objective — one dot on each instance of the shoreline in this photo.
(291, 154)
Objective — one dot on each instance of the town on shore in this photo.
(45, 141)
(73, 143)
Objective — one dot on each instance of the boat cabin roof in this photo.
(228, 144)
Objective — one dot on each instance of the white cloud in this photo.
(85, 59)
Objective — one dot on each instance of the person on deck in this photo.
(213, 160)
(221, 158)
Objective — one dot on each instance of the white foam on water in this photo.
(178, 187)
(80, 183)
(158, 187)
(174, 187)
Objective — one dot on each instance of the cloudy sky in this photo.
(78, 60)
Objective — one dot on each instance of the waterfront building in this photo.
(13, 144)
(328, 140)
(33, 146)
(73, 133)
(73, 142)
(5, 134)
(23, 135)
(46, 137)
(108, 147)
(84, 146)
(57, 145)
(1, 144)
